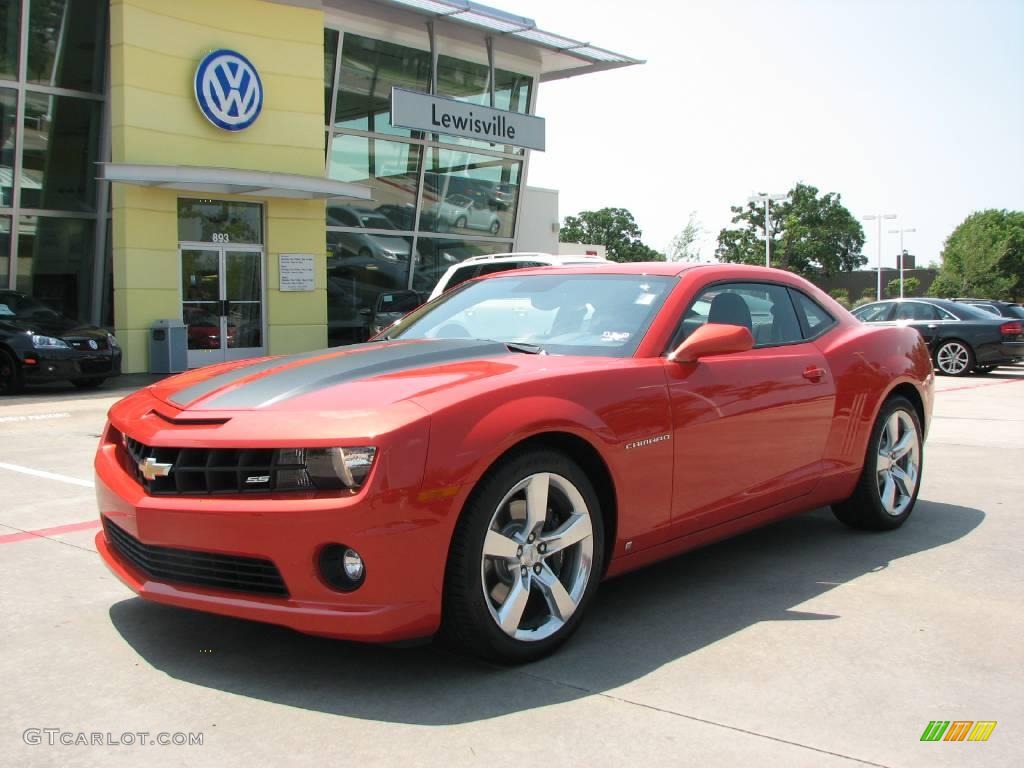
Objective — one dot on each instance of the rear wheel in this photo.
(891, 478)
(11, 380)
(460, 223)
(954, 358)
(525, 559)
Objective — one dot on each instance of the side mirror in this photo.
(713, 339)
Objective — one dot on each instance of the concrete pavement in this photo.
(802, 644)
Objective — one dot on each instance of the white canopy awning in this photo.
(232, 181)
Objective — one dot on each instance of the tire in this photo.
(549, 588)
(460, 223)
(495, 226)
(870, 507)
(11, 380)
(365, 253)
(87, 383)
(954, 358)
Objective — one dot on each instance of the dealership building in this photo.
(265, 171)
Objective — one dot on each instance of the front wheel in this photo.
(891, 478)
(11, 380)
(525, 559)
(954, 358)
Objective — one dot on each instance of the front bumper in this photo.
(45, 365)
(402, 541)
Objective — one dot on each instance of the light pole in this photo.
(767, 200)
(900, 257)
(879, 217)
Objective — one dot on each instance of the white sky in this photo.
(914, 107)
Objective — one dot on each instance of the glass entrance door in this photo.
(222, 302)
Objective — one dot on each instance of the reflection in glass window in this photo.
(360, 267)
(8, 116)
(815, 318)
(330, 57)
(369, 69)
(763, 309)
(389, 168)
(468, 81)
(437, 254)
(469, 193)
(10, 38)
(59, 156)
(55, 259)
(5, 249)
(65, 43)
(219, 221)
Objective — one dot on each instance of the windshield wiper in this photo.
(522, 346)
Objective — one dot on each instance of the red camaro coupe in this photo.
(484, 463)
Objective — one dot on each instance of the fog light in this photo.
(341, 567)
(353, 565)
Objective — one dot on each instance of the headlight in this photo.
(323, 469)
(112, 341)
(48, 342)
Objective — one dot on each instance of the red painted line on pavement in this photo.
(10, 538)
(980, 386)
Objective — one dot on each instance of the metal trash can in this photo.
(168, 347)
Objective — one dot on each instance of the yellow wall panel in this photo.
(286, 339)
(146, 268)
(297, 307)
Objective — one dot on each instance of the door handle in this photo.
(814, 373)
(932, 326)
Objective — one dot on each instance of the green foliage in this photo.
(613, 228)
(684, 245)
(984, 257)
(863, 300)
(870, 293)
(910, 286)
(811, 235)
(841, 295)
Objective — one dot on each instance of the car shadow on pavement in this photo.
(638, 623)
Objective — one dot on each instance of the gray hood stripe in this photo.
(359, 361)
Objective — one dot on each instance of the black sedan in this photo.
(996, 307)
(962, 338)
(38, 344)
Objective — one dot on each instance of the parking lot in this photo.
(802, 644)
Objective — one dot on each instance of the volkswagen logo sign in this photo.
(93, 344)
(229, 90)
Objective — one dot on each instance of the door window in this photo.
(915, 310)
(764, 309)
(873, 313)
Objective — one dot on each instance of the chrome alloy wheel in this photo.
(537, 557)
(952, 358)
(898, 465)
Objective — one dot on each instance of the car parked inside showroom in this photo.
(38, 344)
(480, 467)
(962, 338)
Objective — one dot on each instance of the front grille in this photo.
(83, 344)
(203, 569)
(95, 366)
(205, 471)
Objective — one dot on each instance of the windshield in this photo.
(17, 305)
(576, 314)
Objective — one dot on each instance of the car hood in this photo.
(359, 378)
(57, 326)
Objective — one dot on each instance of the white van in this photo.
(475, 266)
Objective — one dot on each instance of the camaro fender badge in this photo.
(648, 441)
(257, 479)
(151, 469)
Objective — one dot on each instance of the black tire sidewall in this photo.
(876, 515)
(16, 382)
(466, 617)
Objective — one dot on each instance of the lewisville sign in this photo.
(437, 114)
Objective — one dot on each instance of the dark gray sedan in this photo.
(962, 338)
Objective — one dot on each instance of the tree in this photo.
(910, 286)
(684, 246)
(984, 256)
(841, 295)
(614, 228)
(810, 235)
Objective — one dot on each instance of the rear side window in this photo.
(813, 317)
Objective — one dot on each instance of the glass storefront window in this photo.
(361, 267)
(436, 254)
(8, 117)
(219, 221)
(390, 168)
(10, 38)
(55, 258)
(59, 156)
(5, 250)
(469, 193)
(468, 81)
(369, 69)
(65, 43)
(330, 57)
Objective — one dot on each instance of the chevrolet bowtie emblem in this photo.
(151, 469)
